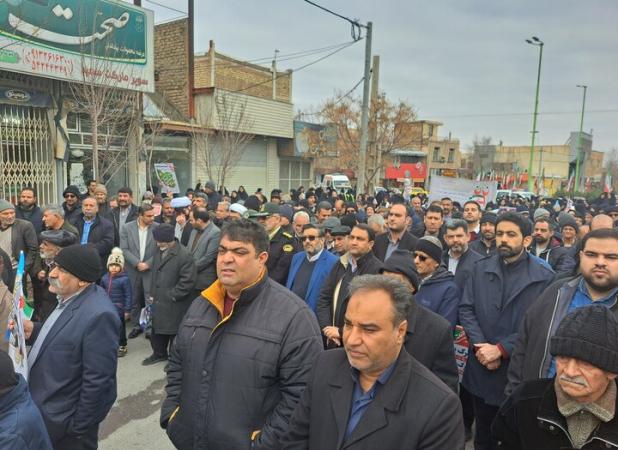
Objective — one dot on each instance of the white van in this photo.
(337, 181)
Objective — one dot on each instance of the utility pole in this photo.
(579, 139)
(362, 151)
(374, 152)
(538, 43)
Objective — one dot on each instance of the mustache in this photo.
(575, 380)
(54, 282)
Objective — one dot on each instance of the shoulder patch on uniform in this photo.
(288, 248)
(288, 235)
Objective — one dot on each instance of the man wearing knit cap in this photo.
(16, 235)
(437, 290)
(213, 196)
(429, 337)
(496, 296)
(78, 344)
(100, 194)
(577, 407)
(485, 244)
(71, 205)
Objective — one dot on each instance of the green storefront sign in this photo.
(109, 41)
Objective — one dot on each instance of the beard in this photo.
(509, 252)
(540, 240)
(600, 285)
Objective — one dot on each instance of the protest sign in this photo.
(461, 190)
(166, 174)
(16, 337)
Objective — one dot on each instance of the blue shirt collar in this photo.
(608, 300)
(382, 379)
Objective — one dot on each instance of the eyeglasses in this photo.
(309, 238)
(423, 258)
(69, 196)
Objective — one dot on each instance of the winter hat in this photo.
(330, 223)
(589, 333)
(116, 257)
(402, 261)
(287, 211)
(4, 205)
(210, 185)
(82, 261)
(100, 188)
(61, 238)
(72, 189)
(349, 220)
(253, 203)
(568, 220)
(540, 212)
(8, 379)
(489, 217)
(340, 230)
(163, 233)
(431, 246)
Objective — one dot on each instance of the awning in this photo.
(24, 97)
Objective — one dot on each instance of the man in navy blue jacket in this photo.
(73, 357)
(21, 425)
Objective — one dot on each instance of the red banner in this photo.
(407, 170)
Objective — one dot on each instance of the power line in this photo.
(298, 69)
(525, 114)
(167, 7)
(339, 99)
(356, 25)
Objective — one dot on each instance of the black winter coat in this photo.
(172, 282)
(530, 420)
(412, 410)
(329, 316)
(34, 216)
(230, 378)
(464, 267)
(101, 235)
(429, 340)
(407, 242)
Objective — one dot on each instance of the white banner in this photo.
(166, 174)
(461, 190)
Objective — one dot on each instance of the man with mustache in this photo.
(499, 291)
(597, 284)
(576, 408)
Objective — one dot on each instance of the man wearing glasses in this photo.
(311, 267)
(71, 205)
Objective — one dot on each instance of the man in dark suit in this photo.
(94, 229)
(429, 338)
(27, 209)
(17, 235)
(397, 237)
(460, 258)
(372, 394)
(203, 245)
(73, 357)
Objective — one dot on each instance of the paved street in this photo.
(133, 422)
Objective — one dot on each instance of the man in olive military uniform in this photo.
(282, 244)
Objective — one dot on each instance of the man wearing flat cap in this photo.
(577, 407)
(73, 358)
(51, 242)
(16, 235)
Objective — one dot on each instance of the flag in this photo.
(570, 184)
(588, 184)
(608, 183)
(17, 314)
(478, 176)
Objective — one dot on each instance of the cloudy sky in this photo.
(464, 63)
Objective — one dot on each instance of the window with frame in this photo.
(451, 155)
(436, 154)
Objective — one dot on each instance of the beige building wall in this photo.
(555, 159)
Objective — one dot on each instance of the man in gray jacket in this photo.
(242, 355)
(139, 248)
(203, 244)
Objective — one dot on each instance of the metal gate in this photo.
(26, 157)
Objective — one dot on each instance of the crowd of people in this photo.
(316, 319)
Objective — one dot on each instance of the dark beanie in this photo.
(163, 233)
(7, 373)
(82, 261)
(589, 333)
(402, 261)
(253, 203)
(71, 189)
(489, 217)
(432, 246)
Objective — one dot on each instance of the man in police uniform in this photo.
(282, 244)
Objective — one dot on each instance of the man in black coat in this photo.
(17, 235)
(429, 337)
(550, 249)
(397, 237)
(172, 281)
(94, 229)
(71, 205)
(27, 209)
(460, 258)
(334, 295)
(577, 407)
(485, 244)
(372, 394)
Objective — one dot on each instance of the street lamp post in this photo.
(536, 42)
(579, 139)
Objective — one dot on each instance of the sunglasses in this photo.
(308, 238)
(69, 196)
(423, 258)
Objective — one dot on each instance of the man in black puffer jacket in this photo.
(242, 355)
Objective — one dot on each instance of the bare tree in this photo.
(222, 149)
